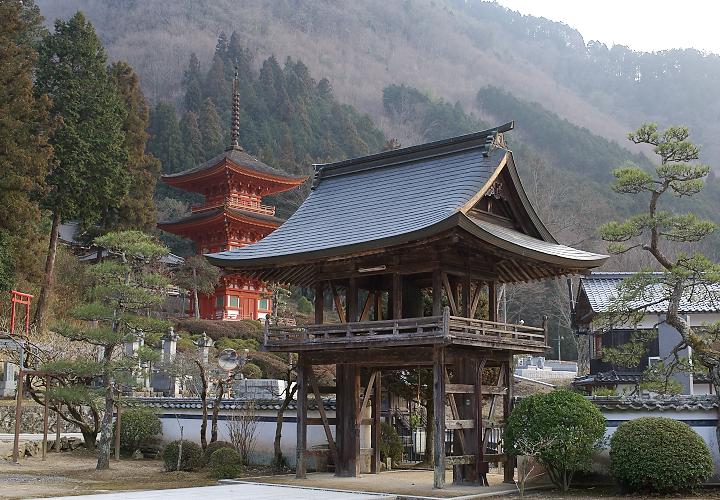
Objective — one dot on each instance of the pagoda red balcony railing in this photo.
(430, 329)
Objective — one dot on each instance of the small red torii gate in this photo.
(20, 298)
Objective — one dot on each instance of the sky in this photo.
(646, 25)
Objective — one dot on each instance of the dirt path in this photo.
(74, 474)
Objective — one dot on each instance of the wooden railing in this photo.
(431, 326)
(444, 326)
(470, 327)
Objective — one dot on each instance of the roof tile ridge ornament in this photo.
(235, 121)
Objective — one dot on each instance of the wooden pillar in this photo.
(509, 468)
(437, 288)
(302, 390)
(376, 425)
(439, 413)
(319, 302)
(19, 387)
(378, 305)
(397, 296)
(492, 301)
(347, 431)
(351, 301)
(58, 423)
(465, 309)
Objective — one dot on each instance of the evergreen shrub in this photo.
(136, 426)
(659, 455)
(562, 426)
(390, 443)
(191, 456)
(213, 447)
(225, 463)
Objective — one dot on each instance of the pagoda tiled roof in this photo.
(209, 214)
(240, 157)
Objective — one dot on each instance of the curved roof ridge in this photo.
(444, 147)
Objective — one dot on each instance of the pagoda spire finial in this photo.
(235, 124)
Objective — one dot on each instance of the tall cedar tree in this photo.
(126, 287)
(672, 240)
(89, 143)
(165, 142)
(211, 129)
(137, 208)
(192, 82)
(24, 128)
(192, 139)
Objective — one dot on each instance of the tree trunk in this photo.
(203, 398)
(278, 459)
(90, 438)
(103, 462)
(196, 301)
(43, 303)
(216, 411)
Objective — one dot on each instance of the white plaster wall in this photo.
(190, 421)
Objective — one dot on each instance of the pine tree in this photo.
(165, 141)
(89, 144)
(211, 129)
(24, 127)
(125, 288)
(197, 275)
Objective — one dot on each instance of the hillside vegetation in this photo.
(450, 48)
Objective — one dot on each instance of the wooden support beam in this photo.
(319, 302)
(366, 397)
(376, 431)
(450, 292)
(397, 296)
(509, 468)
(437, 292)
(439, 412)
(456, 424)
(465, 296)
(481, 467)
(459, 388)
(365, 314)
(323, 415)
(351, 300)
(454, 410)
(475, 300)
(347, 430)
(338, 303)
(301, 465)
(378, 305)
(492, 301)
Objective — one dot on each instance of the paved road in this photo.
(236, 490)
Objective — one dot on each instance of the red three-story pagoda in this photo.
(232, 216)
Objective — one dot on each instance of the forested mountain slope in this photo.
(451, 48)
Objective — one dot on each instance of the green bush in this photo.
(213, 447)
(390, 443)
(562, 429)
(225, 463)
(659, 455)
(137, 425)
(304, 306)
(191, 456)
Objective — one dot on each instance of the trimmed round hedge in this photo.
(191, 456)
(225, 463)
(561, 429)
(213, 447)
(660, 455)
